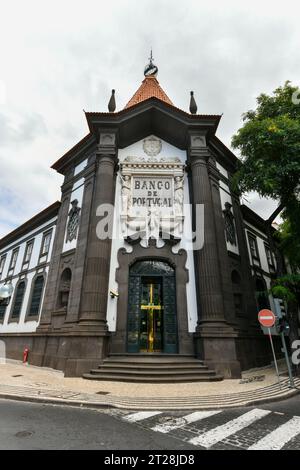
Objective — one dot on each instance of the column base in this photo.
(216, 345)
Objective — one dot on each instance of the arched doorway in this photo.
(152, 319)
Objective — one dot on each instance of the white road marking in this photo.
(276, 439)
(132, 418)
(183, 420)
(219, 433)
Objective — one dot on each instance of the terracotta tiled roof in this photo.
(149, 88)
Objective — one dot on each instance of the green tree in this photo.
(288, 244)
(269, 144)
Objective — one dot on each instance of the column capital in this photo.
(198, 156)
(107, 139)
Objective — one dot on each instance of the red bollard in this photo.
(25, 355)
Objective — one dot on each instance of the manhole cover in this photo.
(24, 434)
(102, 393)
(19, 375)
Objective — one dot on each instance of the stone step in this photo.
(148, 354)
(152, 363)
(164, 379)
(155, 368)
(152, 360)
(151, 366)
(153, 372)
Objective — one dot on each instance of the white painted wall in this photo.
(136, 150)
(21, 243)
(81, 166)
(261, 240)
(222, 170)
(22, 326)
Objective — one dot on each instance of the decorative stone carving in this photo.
(152, 146)
(178, 195)
(126, 193)
(107, 139)
(152, 197)
(198, 141)
(73, 221)
(229, 224)
(156, 163)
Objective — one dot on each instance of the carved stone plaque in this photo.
(152, 146)
(152, 192)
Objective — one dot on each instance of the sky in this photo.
(59, 58)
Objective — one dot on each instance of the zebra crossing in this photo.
(254, 429)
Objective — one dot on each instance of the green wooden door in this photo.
(165, 324)
(133, 319)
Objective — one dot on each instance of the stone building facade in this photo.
(178, 271)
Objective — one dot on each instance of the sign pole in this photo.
(287, 360)
(274, 355)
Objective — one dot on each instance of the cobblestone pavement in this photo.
(39, 393)
(231, 429)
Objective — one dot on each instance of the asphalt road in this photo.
(34, 426)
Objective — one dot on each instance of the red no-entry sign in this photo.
(266, 318)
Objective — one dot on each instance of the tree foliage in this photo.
(289, 244)
(269, 144)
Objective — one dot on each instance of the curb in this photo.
(132, 404)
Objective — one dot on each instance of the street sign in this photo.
(266, 318)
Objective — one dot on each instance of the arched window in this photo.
(237, 293)
(2, 312)
(36, 296)
(64, 288)
(152, 267)
(17, 306)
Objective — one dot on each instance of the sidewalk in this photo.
(30, 383)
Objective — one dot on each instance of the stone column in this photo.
(82, 243)
(215, 338)
(96, 273)
(50, 299)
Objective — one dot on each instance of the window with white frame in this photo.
(27, 255)
(253, 248)
(18, 301)
(36, 297)
(2, 311)
(2, 264)
(270, 257)
(13, 262)
(45, 248)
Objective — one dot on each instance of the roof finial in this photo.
(150, 69)
(193, 105)
(151, 57)
(112, 102)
